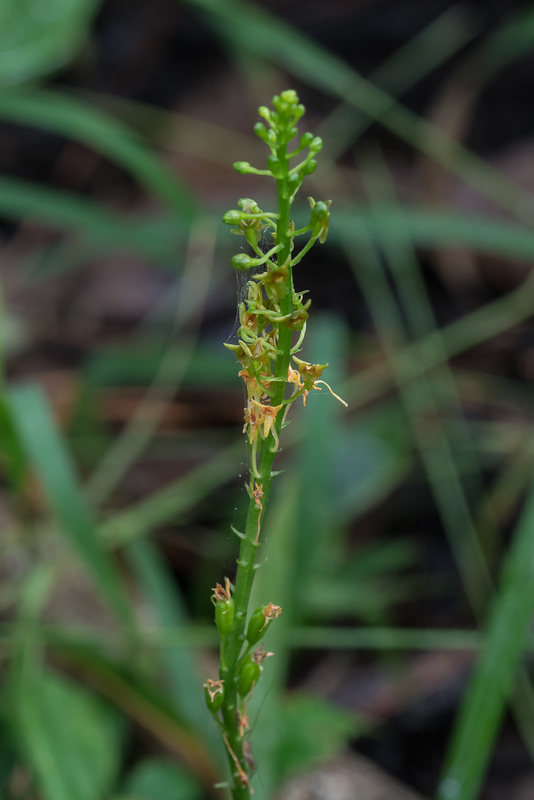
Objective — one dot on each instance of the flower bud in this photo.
(232, 217)
(294, 182)
(316, 144)
(308, 167)
(260, 130)
(274, 165)
(242, 167)
(319, 212)
(241, 261)
(305, 140)
(249, 675)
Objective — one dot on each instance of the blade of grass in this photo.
(194, 286)
(436, 452)
(420, 228)
(429, 48)
(420, 323)
(257, 31)
(46, 452)
(143, 703)
(69, 117)
(155, 238)
(173, 500)
(182, 670)
(491, 685)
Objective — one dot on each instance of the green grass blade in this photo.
(143, 702)
(425, 51)
(75, 755)
(68, 117)
(46, 452)
(157, 238)
(248, 27)
(174, 499)
(184, 676)
(490, 688)
(416, 227)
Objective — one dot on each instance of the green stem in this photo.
(246, 562)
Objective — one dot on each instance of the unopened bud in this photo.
(232, 217)
(316, 144)
(241, 261)
(274, 165)
(305, 140)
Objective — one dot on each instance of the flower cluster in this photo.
(272, 326)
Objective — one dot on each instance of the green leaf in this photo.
(184, 680)
(71, 739)
(491, 686)
(162, 779)
(77, 120)
(141, 700)
(46, 451)
(153, 237)
(311, 730)
(36, 38)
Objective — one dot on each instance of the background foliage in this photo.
(401, 543)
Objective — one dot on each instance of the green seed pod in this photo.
(256, 626)
(242, 261)
(242, 167)
(248, 677)
(214, 695)
(224, 617)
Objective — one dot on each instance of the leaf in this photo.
(142, 701)
(162, 779)
(74, 755)
(156, 238)
(168, 608)
(37, 37)
(491, 686)
(78, 120)
(311, 730)
(46, 452)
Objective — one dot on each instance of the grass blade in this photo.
(66, 116)
(183, 672)
(490, 688)
(46, 452)
(252, 29)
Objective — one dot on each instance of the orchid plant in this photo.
(271, 332)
